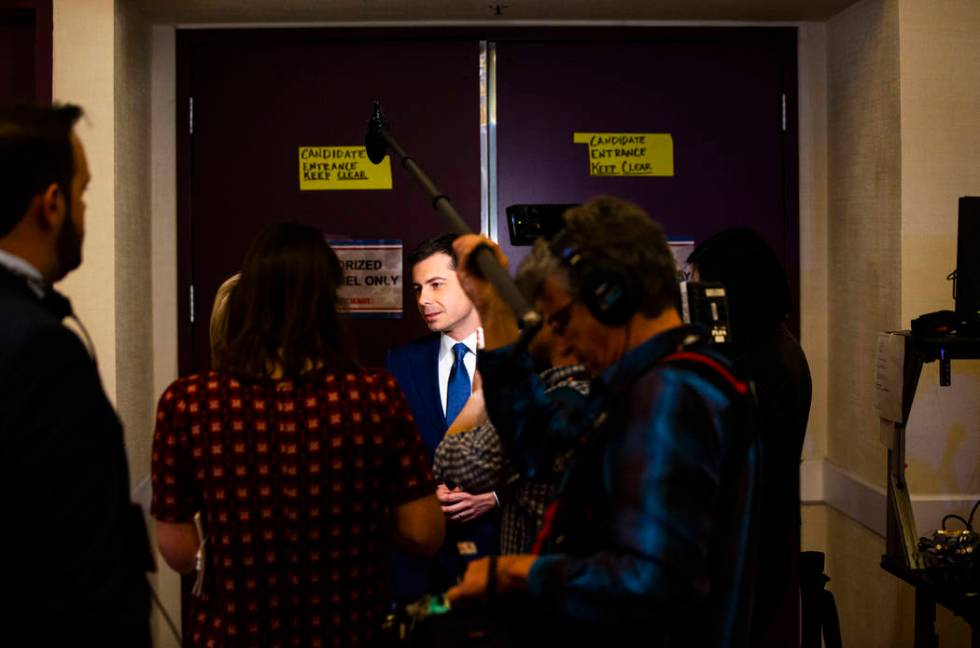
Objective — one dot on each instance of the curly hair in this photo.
(619, 235)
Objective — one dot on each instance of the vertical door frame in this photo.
(41, 12)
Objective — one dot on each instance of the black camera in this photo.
(528, 222)
(706, 303)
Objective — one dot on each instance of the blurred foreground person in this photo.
(76, 547)
(764, 350)
(305, 468)
(649, 542)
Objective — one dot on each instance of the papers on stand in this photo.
(889, 376)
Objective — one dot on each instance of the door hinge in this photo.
(192, 303)
(191, 116)
(784, 112)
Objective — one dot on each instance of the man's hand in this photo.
(512, 572)
(499, 323)
(480, 291)
(460, 506)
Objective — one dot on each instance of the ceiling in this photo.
(485, 11)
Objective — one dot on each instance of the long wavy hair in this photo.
(282, 314)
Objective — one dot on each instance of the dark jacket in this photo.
(75, 546)
(651, 541)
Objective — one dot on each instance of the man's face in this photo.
(69, 239)
(598, 346)
(441, 300)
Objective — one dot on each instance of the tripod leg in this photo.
(831, 622)
(925, 620)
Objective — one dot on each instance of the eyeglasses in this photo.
(558, 321)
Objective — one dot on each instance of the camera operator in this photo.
(763, 349)
(650, 536)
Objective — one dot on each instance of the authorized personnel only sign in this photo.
(372, 277)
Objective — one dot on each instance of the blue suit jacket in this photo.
(416, 368)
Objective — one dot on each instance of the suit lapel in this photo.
(432, 370)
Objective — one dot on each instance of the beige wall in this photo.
(132, 253)
(135, 359)
(940, 61)
(163, 256)
(83, 74)
(864, 223)
(813, 226)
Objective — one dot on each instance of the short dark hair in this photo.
(35, 152)
(283, 311)
(437, 244)
(755, 282)
(619, 235)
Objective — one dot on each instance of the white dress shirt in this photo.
(446, 360)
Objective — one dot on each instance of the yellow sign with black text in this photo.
(628, 154)
(341, 167)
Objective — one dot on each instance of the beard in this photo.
(68, 245)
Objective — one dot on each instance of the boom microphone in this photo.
(374, 140)
(377, 141)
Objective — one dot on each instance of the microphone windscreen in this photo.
(374, 139)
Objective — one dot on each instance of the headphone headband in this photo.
(603, 286)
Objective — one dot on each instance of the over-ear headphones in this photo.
(602, 284)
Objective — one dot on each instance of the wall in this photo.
(135, 247)
(812, 115)
(903, 101)
(940, 162)
(163, 258)
(83, 74)
(864, 226)
(134, 353)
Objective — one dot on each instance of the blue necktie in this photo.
(458, 390)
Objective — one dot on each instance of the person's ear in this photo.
(52, 210)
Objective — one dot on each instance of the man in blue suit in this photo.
(436, 373)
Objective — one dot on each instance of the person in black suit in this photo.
(436, 374)
(76, 547)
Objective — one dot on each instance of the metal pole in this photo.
(527, 318)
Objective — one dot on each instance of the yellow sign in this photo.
(341, 167)
(629, 154)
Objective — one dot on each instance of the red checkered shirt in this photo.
(295, 480)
